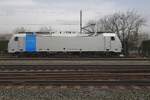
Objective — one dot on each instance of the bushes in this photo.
(3, 45)
(145, 48)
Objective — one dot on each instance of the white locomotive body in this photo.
(32, 42)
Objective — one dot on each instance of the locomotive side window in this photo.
(113, 38)
(16, 39)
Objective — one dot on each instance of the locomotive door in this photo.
(30, 42)
(107, 43)
(21, 43)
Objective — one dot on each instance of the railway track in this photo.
(76, 78)
(79, 67)
(75, 74)
(78, 59)
(75, 71)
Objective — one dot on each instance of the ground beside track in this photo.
(74, 93)
(72, 62)
(103, 92)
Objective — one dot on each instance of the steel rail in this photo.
(75, 76)
(72, 67)
(105, 59)
(146, 71)
(77, 82)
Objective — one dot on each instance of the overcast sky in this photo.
(63, 14)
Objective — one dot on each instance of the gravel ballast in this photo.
(73, 93)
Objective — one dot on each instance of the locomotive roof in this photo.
(109, 34)
(78, 35)
(20, 35)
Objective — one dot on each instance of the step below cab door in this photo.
(107, 43)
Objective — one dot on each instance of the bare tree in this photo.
(126, 25)
(89, 28)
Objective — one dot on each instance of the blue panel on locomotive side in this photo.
(30, 42)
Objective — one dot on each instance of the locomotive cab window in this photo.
(16, 39)
(113, 38)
